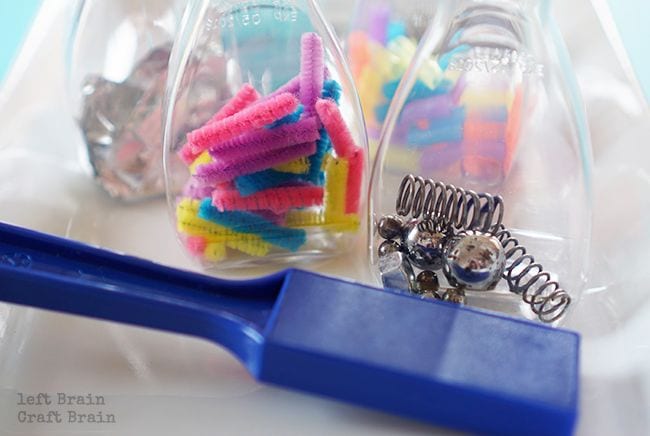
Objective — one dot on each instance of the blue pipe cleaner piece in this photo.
(389, 88)
(332, 90)
(395, 30)
(381, 111)
(289, 119)
(252, 183)
(420, 90)
(444, 60)
(456, 117)
(421, 138)
(446, 129)
(247, 222)
(323, 146)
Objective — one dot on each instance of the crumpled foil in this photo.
(122, 126)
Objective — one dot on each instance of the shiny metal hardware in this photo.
(441, 226)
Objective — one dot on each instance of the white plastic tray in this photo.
(156, 383)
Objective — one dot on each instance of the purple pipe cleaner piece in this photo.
(249, 144)
(292, 86)
(222, 171)
(379, 20)
(438, 106)
(196, 190)
(312, 73)
(440, 156)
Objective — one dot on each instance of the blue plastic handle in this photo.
(57, 274)
(423, 359)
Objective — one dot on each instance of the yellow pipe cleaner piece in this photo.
(385, 63)
(203, 158)
(302, 218)
(369, 87)
(402, 159)
(333, 216)
(404, 48)
(336, 176)
(350, 224)
(485, 99)
(215, 252)
(257, 248)
(190, 224)
(298, 166)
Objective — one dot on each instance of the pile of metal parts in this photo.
(441, 228)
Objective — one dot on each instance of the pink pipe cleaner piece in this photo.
(246, 96)
(292, 87)
(312, 71)
(260, 141)
(355, 177)
(196, 244)
(253, 117)
(187, 155)
(277, 200)
(458, 90)
(222, 171)
(332, 119)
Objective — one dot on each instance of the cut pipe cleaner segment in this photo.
(252, 117)
(268, 172)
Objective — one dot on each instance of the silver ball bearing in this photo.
(456, 296)
(424, 244)
(427, 281)
(474, 260)
(387, 247)
(389, 227)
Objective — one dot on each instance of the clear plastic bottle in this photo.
(489, 104)
(265, 146)
(117, 71)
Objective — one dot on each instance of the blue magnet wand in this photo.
(428, 360)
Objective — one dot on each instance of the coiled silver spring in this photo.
(528, 278)
(462, 209)
(448, 205)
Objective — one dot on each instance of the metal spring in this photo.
(528, 278)
(449, 205)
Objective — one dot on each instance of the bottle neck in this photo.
(491, 23)
(502, 4)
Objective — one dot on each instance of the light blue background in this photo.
(633, 21)
(632, 17)
(15, 19)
